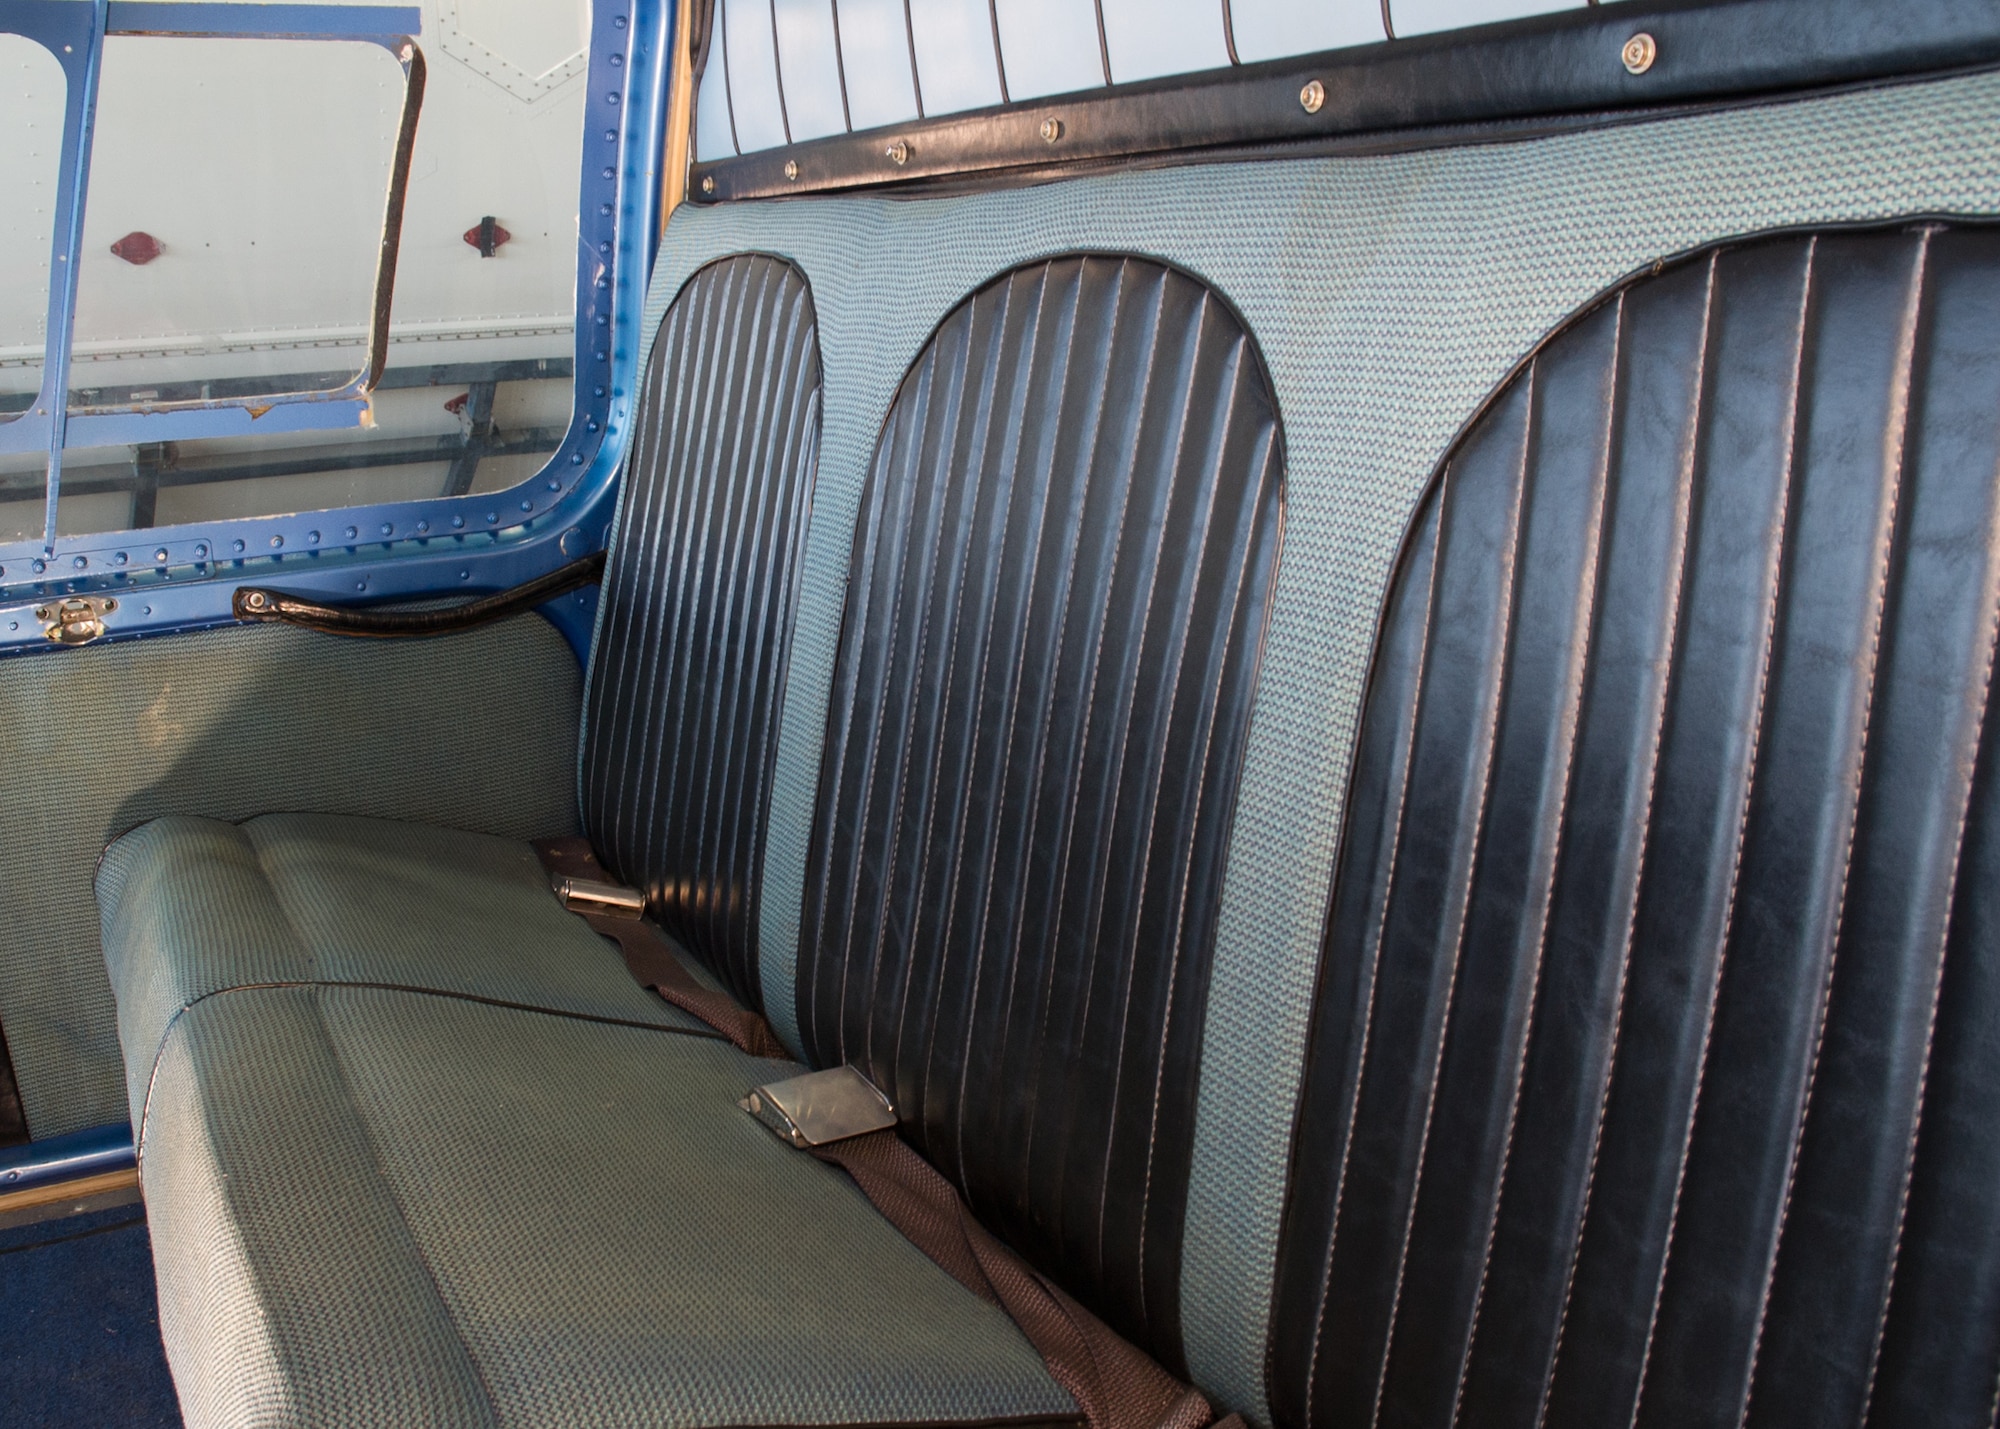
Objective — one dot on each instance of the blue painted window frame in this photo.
(177, 578)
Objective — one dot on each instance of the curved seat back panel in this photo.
(689, 665)
(1651, 1077)
(1060, 577)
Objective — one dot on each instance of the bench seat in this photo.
(417, 1149)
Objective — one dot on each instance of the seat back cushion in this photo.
(1653, 1072)
(689, 662)
(1059, 581)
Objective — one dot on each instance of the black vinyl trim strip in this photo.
(1556, 65)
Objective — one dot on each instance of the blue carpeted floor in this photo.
(79, 1328)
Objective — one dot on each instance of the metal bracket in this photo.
(75, 619)
(821, 1107)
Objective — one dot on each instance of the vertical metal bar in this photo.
(62, 310)
(148, 460)
(479, 435)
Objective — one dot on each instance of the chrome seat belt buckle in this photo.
(603, 900)
(821, 1107)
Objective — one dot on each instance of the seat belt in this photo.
(839, 1117)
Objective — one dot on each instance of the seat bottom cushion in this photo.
(377, 1202)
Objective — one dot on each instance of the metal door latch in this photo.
(75, 619)
(821, 1107)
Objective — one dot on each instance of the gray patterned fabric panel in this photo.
(1653, 1077)
(385, 1207)
(689, 661)
(472, 731)
(193, 907)
(1061, 574)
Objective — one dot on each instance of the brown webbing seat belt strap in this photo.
(1115, 1384)
(652, 960)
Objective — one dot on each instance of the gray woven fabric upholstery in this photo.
(1389, 295)
(377, 1197)
(193, 906)
(477, 731)
(380, 1207)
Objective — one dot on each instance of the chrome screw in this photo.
(791, 168)
(708, 183)
(1312, 96)
(1639, 53)
(1052, 129)
(898, 152)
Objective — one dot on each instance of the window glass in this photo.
(1050, 46)
(477, 388)
(232, 225)
(875, 56)
(956, 67)
(1150, 38)
(809, 60)
(1419, 17)
(1272, 29)
(30, 170)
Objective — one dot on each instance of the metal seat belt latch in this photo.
(821, 1107)
(604, 900)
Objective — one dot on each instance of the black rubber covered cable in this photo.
(259, 603)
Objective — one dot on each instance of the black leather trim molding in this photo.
(1653, 1076)
(1060, 575)
(688, 674)
(1563, 64)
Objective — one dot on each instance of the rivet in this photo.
(1312, 96)
(119, 559)
(277, 541)
(791, 168)
(388, 528)
(617, 61)
(898, 152)
(1639, 53)
(422, 527)
(465, 575)
(458, 523)
(352, 532)
(361, 585)
(79, 562)
(708, 183)
(255, 600)
(1052, 129)
(38, 565)
(527, 506)
(312, 538)
(491, 517)
(236, 546)
(201, 551)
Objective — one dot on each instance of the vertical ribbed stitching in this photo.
(1906, 355)
(1491, 720)
(1580, 645)
(1177, 614)
(1773, 596)
(1224, 426)
(1071, 531)
(1661, 700)
(972, 422)
(1008, 477)
(1098, 634)
(1975, 725)
(1372, 954)
(1059, 366)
